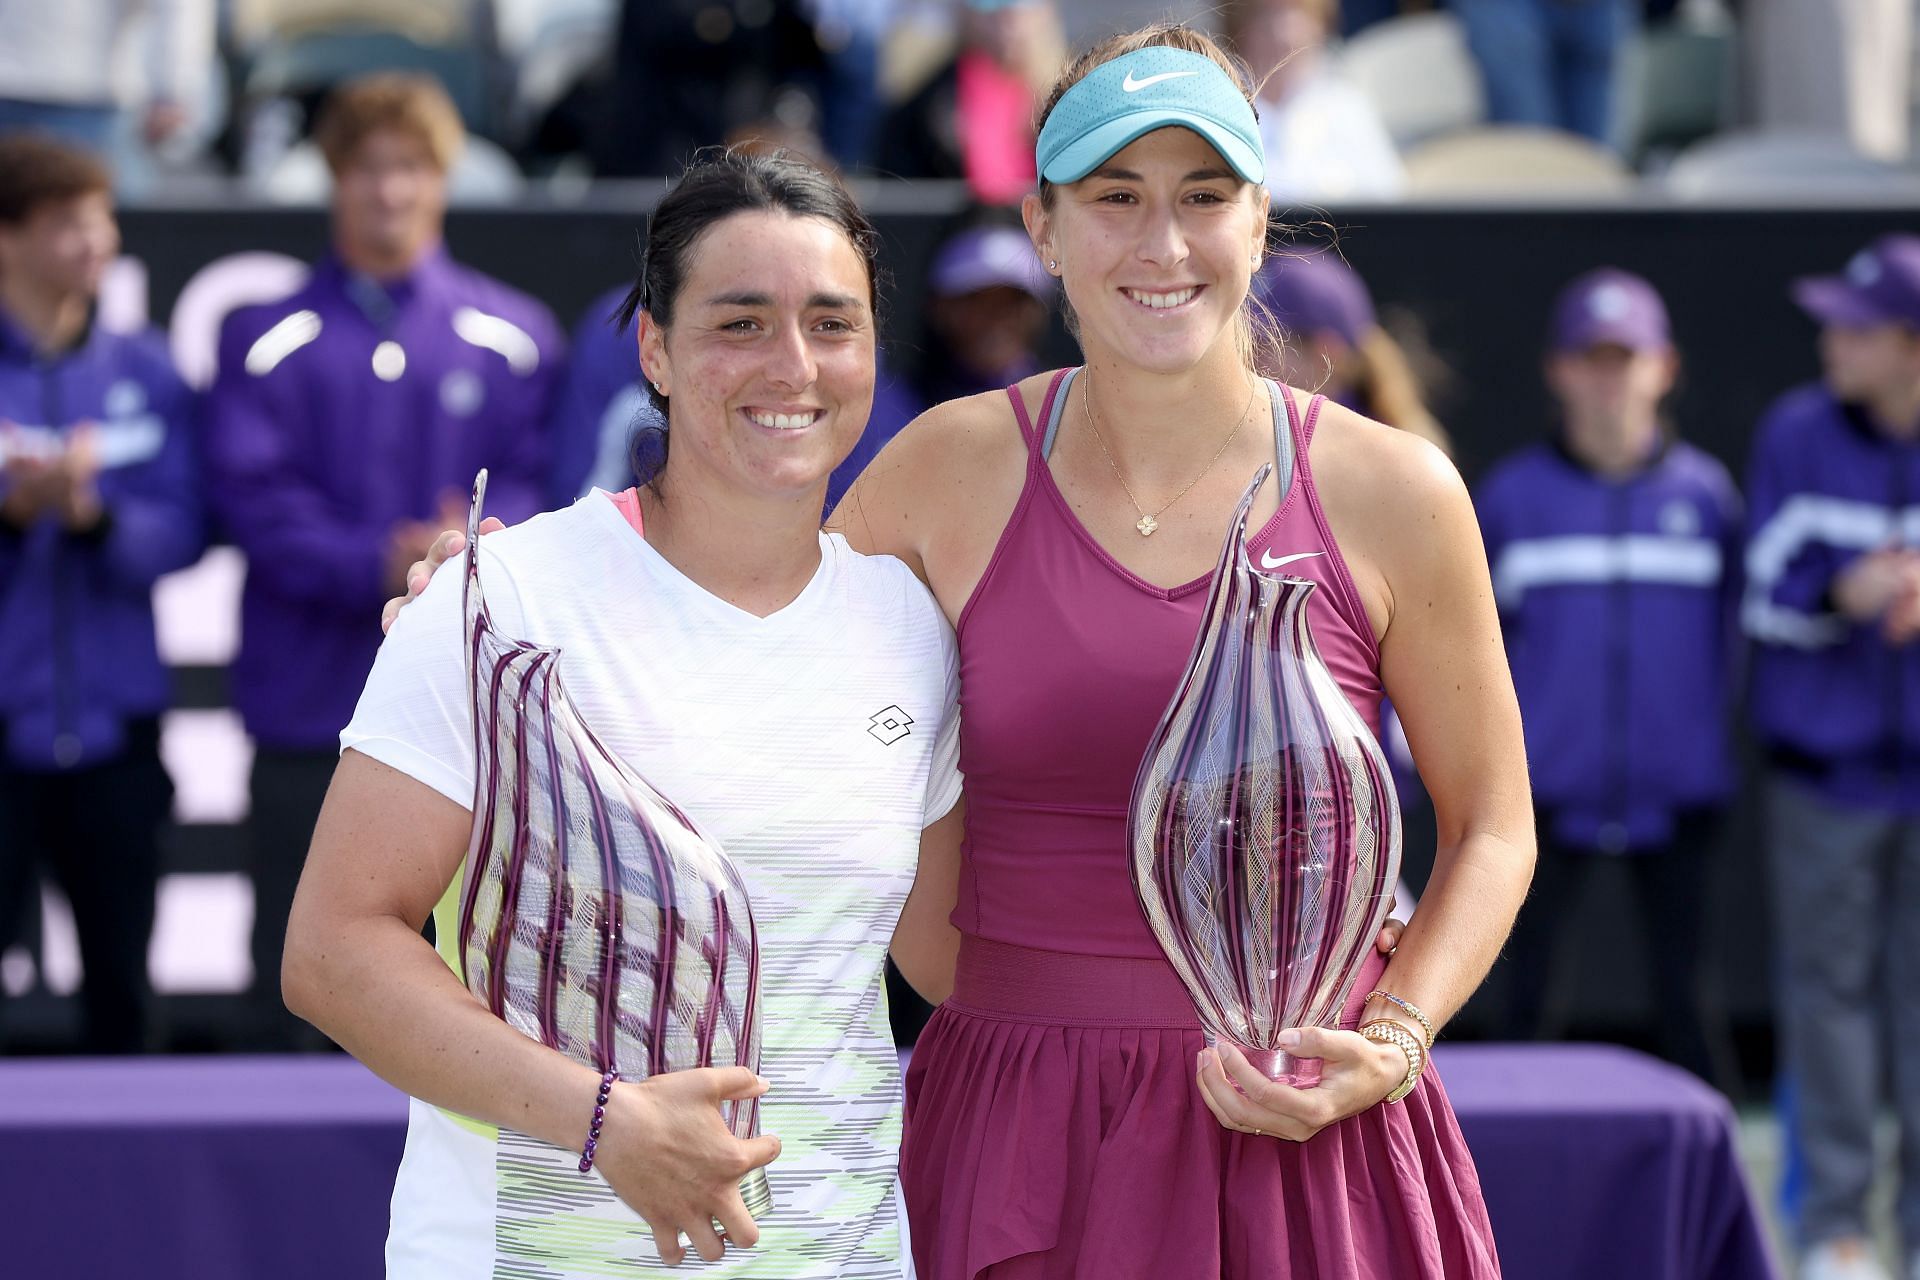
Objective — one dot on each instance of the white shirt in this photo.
(814, 744)
(77, 51)
(1325, 141)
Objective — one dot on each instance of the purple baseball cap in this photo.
(1610, 307)
(988, 256)
(1316, 293)
(1881, 285)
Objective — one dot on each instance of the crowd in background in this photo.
(1373, 100)
(347, 419)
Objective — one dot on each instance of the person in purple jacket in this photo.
(1833, 607)
(98, 497)
(345, 427)
(1615, 552)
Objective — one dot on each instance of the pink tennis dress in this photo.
(1054, 1128)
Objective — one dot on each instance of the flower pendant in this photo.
(1146, 526)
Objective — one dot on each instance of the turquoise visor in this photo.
(1142, 91)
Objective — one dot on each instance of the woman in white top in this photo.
(794, 697)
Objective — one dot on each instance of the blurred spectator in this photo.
(1333, 342)
(849, 33)
(1615, 551)
(428, 21)
(1549, 62)
(61, 64)
(98, 498)
(986, 312)
(1833, 606)
(687, 73)
(600, 404)
(1358, 15)
(1840, 67)
(1323, 137)
(345, 427)
(974, 118)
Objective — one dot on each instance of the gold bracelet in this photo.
(1387, 1031)
(1408, 1006)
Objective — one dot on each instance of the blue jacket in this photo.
(339, 413)
(76, 611)
(1617, 600)
(1831, 701)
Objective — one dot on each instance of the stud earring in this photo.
(1053, 264)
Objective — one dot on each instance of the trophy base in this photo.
(1279, 1065)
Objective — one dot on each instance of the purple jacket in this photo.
(1616, 597)
(1831, 701)
(76, 611)
(338, 413)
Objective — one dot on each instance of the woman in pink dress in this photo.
(1065, 1118)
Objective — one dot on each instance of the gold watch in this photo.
(1387, 1031)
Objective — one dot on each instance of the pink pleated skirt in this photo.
(1055, 1132)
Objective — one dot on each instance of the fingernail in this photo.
(1287, 1040)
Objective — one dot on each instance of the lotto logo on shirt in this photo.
(890, 725)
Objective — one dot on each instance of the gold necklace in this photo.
(1148, 522)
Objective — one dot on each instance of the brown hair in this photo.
(36, 171)
(401, 101)
(1255, 329)
(1391, 390)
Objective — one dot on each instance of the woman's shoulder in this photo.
(1355, 457)
(971, 427)
(1394, 500)
(955, 457)
(882, 600)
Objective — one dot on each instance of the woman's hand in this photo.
(666, 1152)
(449, 544)
(1389, 934)
(1355, 1074)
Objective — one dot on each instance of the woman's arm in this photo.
(385, 848)
(1445, 668)
(925, 943)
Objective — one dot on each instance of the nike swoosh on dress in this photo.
(1269, 561)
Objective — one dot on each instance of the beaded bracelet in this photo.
(1408, 1006)
(599, 1118)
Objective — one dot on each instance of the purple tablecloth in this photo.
(195, 1168)
(1602, 1162)
(1597, 1162)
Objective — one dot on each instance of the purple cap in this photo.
(1316, 293)
(1610, 307)
(1881, 285)
(988, 256)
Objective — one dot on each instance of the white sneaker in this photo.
(1850, 1259)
